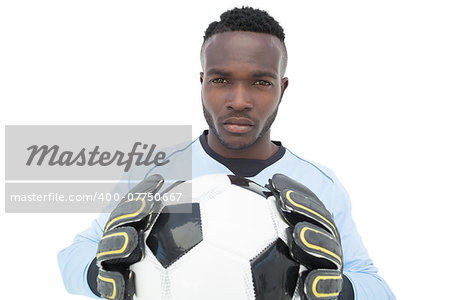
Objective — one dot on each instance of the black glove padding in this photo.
(122, 243)
(313, 238)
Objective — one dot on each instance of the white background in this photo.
(367, 93)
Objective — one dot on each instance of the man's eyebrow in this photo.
(258, 74)
(219, 72)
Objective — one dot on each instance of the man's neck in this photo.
(262, 149)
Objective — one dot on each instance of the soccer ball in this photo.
(230, 245)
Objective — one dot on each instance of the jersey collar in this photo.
(243, 166)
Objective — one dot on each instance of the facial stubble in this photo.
(212, 128)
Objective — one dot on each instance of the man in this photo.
(244, 59)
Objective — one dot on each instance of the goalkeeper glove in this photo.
(122, 243)
(313, 238)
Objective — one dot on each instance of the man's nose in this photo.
(239, 98)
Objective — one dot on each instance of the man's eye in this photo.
(263, 83)
(219, 80)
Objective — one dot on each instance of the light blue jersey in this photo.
(75, 260)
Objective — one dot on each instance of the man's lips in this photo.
(238, 125)
(238, 121)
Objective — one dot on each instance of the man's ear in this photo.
(284, 85)
(201, 77)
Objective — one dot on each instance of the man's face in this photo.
(242, 86)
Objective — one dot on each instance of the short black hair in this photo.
(247, 19)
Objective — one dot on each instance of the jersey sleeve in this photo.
(358, 267)
(74, 260)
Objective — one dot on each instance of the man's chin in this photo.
(236, 143)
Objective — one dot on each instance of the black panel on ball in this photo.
(175, 232)
(274, 273)
(249, 185)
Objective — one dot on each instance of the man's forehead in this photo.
(244, 46)
(229, 36)
(242, 39)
